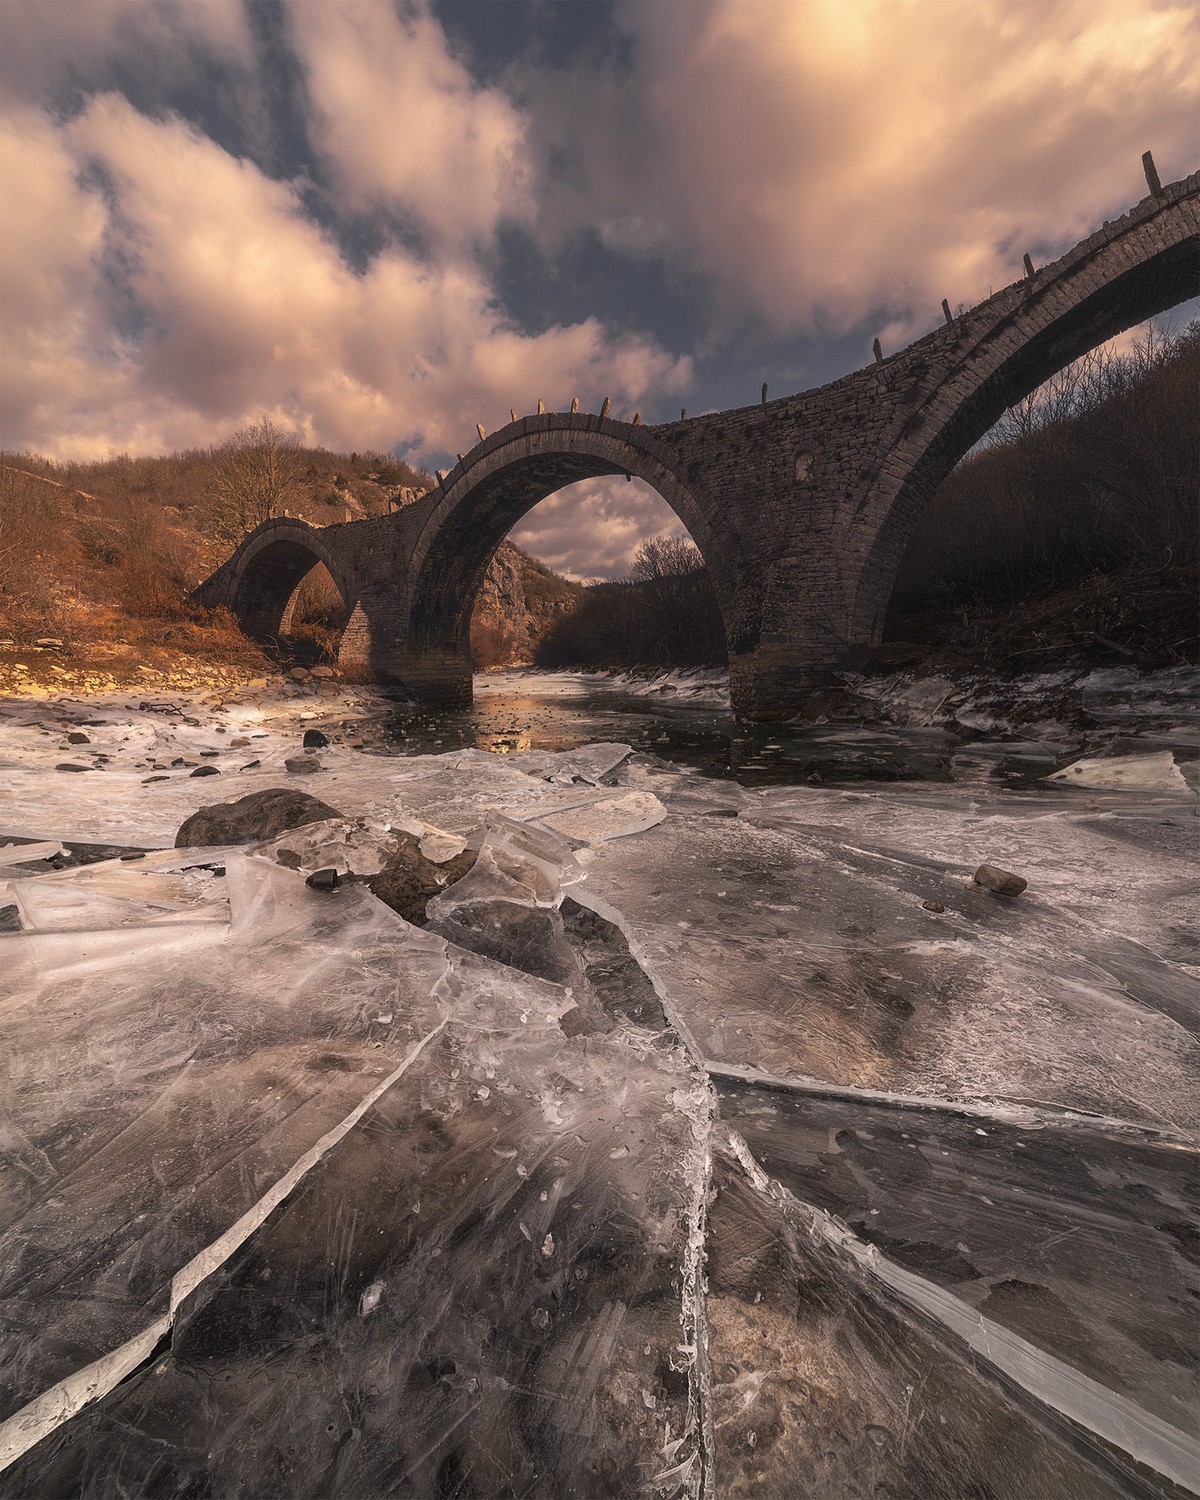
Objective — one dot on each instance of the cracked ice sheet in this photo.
(820, 1370)
(112, 801)
(478, 1290)
(159, 1077)
(1074, 1238)
(796, 944)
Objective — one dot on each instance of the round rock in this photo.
(260, 815)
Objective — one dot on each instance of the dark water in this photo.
(554, 713)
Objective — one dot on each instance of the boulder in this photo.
(260, 815)
(205, 771)
(77, 737)
(314, 739)
(302, 765)
(408, 879)
(999, 882)
(320, 671)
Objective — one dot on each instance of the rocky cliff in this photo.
(519, 601)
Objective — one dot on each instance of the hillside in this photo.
(97, 561)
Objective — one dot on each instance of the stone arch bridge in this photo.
(802, 507)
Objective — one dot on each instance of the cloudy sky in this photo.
(381, 221)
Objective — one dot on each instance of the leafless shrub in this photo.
(254, 474)
(664, 615)
(1098, 470)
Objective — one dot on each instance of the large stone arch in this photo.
(481, 500)
(1135, 269)
(269, 566)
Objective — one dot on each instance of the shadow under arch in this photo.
(971, 400)
(272, 562)
(501, 481)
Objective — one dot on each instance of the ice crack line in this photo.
(1115, 1419)
(1000, 1111)
(64, 1400)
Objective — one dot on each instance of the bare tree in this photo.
(666, 557)
(254, 474)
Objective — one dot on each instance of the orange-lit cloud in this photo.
(826, 160)
(246, 306)
(402, 124)
(826, 166)
(593, 529)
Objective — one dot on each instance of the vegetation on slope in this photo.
(101, 557)
(1073, 533)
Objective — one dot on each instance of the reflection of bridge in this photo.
(802, 507)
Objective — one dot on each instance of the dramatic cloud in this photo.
(827, 161)
(593, 529)
(319, 212)
(53, 44)
(200, 295)
(402, 124)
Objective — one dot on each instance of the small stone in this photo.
(324, 880)
(299, 674)
(77, 737)
(146, 780)
(68, 765)
(132, 854)
(999, 882)
(252, 765)
(933, 906)
(314, 739)
(208, 754)
(239, 743)
(320, 671)
(206, 771)
(302, 765)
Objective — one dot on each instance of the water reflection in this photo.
(554, 713)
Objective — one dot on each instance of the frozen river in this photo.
(717, 1136)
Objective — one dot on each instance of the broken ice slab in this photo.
(517, 863)
(1077, 1238)
(167, 1082)
(101, 898)
(1156, 773)
(482, 1289)
(798, 944)
(589, 763)
(609, 818)
(26, 853)
(825, 1383)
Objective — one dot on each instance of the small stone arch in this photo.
(487, 494)
(269, 567)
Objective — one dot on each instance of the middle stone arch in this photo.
(497, 484)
